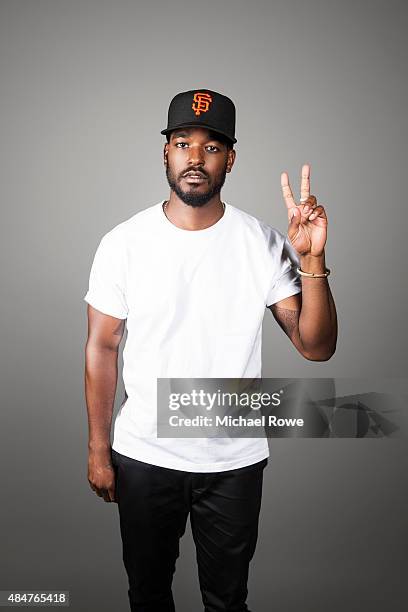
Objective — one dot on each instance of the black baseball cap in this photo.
(202, 108)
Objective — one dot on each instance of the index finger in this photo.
(287, 191)
(305, 183)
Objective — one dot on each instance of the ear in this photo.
(231, 159)
(165, 153)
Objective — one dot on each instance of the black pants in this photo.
(154, 503)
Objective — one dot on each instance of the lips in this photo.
(193, 174)
(194, 177)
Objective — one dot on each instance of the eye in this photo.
(213, 148)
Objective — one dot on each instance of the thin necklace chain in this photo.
(166, 202)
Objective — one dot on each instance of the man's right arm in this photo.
(101, 373)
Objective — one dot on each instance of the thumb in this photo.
(294, 218)
(112, 494)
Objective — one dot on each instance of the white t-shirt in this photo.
(194, 303)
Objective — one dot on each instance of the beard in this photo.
(192, 197)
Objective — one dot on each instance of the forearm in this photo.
(317, 319)
(101, 374)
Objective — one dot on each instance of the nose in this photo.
(196, 156)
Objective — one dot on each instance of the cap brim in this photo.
(195, 125)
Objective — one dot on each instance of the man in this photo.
(192, 277)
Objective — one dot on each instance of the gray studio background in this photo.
(85, 87)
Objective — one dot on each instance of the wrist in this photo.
(315, 264)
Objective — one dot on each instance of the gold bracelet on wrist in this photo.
(313, 275)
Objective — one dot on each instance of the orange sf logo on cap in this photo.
(201, 102)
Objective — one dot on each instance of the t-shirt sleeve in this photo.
(284, 262)
(107, 279)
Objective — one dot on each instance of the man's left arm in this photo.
(308, 318)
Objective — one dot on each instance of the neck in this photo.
(193, 218)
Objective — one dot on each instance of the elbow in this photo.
(100, 348)
(321, 354)
(320, 357)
